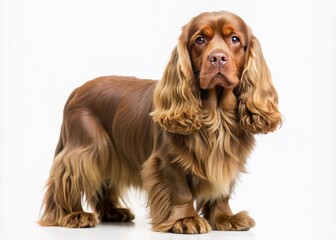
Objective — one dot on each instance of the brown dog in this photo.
(183, 139)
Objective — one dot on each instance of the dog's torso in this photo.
(120, 104)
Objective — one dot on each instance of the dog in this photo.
(184, 139)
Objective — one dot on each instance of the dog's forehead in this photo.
(224, 22)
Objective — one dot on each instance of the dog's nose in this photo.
(218, 58)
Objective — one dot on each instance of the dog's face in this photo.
(218, 49)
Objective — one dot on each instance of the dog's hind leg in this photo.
(80, 163)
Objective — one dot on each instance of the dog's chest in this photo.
(217, 156)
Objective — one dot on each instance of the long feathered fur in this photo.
(258, 100)
(178, 142)
(176, 106)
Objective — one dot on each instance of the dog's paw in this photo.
(191, 225)
(238, 222)
(80, 220)
(117, 215)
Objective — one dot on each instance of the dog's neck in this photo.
(219, 97)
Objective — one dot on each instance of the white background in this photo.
(47, 48)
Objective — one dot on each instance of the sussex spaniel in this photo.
(184, 139)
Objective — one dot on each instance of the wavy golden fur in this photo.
(184, 139)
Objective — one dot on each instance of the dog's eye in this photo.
(200, 40)
(235, 39)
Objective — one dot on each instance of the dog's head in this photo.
(216, 50)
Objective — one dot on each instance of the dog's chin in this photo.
(219, 80)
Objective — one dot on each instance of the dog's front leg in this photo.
(170, 200)
(221, 218)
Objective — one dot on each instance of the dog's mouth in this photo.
(219, 79)
(216, 79)
(219, 76)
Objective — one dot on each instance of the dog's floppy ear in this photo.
(257, 97)
(176, 103)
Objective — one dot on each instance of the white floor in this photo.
(140, 230)
(18, 222)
